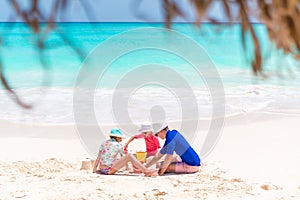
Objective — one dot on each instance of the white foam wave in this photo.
(55, 105)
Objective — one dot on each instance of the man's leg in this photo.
(182, 167)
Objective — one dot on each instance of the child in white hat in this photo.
(152, 142)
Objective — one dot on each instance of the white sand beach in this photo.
(257, 157)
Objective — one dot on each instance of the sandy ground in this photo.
(257, 157)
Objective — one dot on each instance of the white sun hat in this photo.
(159, 126)
(146, 127)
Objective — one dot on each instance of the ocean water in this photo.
(144, 80)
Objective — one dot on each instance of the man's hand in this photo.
(166, 164)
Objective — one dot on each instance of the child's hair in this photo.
(113, 137)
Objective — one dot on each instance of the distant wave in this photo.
(55, 105)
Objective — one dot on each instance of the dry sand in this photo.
(257, 157)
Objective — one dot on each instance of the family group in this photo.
(180, 157)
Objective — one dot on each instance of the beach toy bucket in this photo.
(141, 156)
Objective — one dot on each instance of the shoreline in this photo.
(229, 120)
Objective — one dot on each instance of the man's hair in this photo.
(166, 129)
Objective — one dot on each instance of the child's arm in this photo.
(127, 143)
(96, 163)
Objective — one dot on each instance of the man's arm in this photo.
(166, 163)
(156, 158)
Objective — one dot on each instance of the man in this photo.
(175, 142)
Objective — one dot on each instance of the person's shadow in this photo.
(122, 173)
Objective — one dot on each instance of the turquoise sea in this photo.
(49, 85)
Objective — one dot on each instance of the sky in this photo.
(110, 11)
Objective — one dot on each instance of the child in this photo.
(152, 143)
(107, 160)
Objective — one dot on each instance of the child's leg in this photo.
(124, 160)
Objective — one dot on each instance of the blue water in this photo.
(20, 55)
(51, 82)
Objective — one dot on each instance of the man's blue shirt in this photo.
(176, 142)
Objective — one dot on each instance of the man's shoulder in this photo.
(173, 132)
